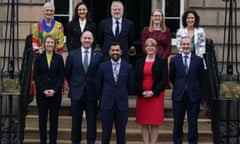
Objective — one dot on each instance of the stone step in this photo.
(65, 122)
(132, 135)
(66, 111)
(34, 141)
(133, 130)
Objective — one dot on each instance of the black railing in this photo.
(225, 109)
(14, 92)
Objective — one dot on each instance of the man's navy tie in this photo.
(117, 30)
(186, 64)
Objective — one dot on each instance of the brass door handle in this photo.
(132, 51)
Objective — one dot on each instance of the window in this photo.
(63, 12)
(173, 10)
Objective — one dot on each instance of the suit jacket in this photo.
(159, 74)
(190, 82)
(77, 79)
(112, 92)
(106, 36)
(48, 78)
(74, 33)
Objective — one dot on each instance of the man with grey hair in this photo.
(186, 75)
(116, 29)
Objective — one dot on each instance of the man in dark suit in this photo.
(115, 80)
(116, 29)
(81, 67)
(186, 74)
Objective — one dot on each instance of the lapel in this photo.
(44, 59)
(79, 56)
(77, 26)
(109, 67)
(121, 70)
(87, 26)
(122, 27)
(191, 65)
(92, 59)
(52, 61)
(110, 26)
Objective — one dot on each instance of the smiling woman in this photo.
(190, 20)
(48, 75)
(48, 25)
(81, 22)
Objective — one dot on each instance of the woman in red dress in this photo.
(151, 76)
(158, 30)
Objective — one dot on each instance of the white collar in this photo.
(84, 49)
(82, 22)
(114, 20)
(189, 55)
(119, 61)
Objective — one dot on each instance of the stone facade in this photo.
(212, 14)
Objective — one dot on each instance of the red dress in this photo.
(149, 110)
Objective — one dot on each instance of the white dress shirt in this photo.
(82, 24)
(115, 25)
(83, 54)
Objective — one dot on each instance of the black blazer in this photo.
(74, 33)
(46, 78)
(159, 74)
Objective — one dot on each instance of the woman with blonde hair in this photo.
(158, 30)
(151, 76)
(48, 75)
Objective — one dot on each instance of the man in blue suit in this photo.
(186, 74)
(81, 67)
(115, 80)
(116, 29)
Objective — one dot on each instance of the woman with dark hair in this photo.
(81, 22)
(48, 76)
(190, 21)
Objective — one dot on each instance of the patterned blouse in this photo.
(41, 30)
(199, 40)
(163, 40)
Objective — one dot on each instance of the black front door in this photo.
(138, 11)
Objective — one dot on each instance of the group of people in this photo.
(103, 80)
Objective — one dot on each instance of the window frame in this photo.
(70, 12)
(69, 15)
(179, 18)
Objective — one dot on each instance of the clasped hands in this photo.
(49, 92)
(147, 94)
